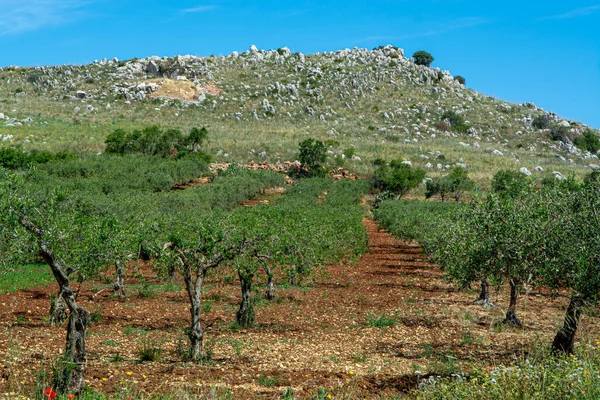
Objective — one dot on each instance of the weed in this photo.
(381, 321)
(149, 350)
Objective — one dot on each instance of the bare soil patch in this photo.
(319, 336)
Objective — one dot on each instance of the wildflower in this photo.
(128, 373)
(328, 395)
(104, 379)
(144, 376)
(71, 396)
(350, 372)
(50, 393)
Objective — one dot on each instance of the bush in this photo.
(510, 183)
(562, 133)
(16, 158)
(398, 177)
(460, 79)
(589, 141)
(453, 118)
(423, 58)
(541, 122)
(312, 154)
(153, 140)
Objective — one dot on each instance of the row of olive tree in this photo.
(546, 237)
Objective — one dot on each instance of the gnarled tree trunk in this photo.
(58, 310)
(270, 291)
(119, 286)
(194, 290)
(72, 372)
(565, 338)
(245, 315)
(484, 296)
(511, 314)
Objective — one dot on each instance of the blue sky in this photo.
(547, 52)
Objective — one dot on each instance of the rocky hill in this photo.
(258, 105)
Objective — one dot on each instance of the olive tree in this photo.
(70, 243)
(399, 177)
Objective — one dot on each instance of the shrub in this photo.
(562, 133)
(510, 183)
(398, 177)
(453, 117)
(153, 140)
(17, 158)
(589, 141)
(460, 79)
(312, 154)
(541, 122)
(149, 350)
(423, 58)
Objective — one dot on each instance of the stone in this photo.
(558, 176)
(525, 171)
(538, 169)
(80, 94)
(152, 68)
(428, 165)
(407, 163)
(497, 153)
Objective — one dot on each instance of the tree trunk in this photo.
(270, 291)
(293, 276)
(484, 296)
(119, 286)
(443, 196)
(194, 290)
(565, 338)
(75, 355)
(71, 379)
(58, 310)
(457, 196)
(245, 315)
(511, 314)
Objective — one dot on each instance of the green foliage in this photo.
(398, 177)
(17, 158)
(418, 220)
(149, 350)
(460, 79)
(510, 183)
(588, 141)
(542, 122)
(457, 181)
(562, 133)
(456, 120)
(381, 321)
(538, 377)
(313, 154)
(154, 141)
(423, 58)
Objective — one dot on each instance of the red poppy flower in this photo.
(71, 396)
(50, 393)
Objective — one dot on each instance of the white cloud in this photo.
(19, 16)
(198, 9)
(578, 12)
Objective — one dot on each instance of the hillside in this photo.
(259, 104)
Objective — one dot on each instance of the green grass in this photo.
(22, 277)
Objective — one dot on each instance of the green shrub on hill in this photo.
(588, 141)
(154, 141)
(423, 58)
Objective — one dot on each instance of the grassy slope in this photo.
(349, 91)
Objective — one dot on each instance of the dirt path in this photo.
(328, 335)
